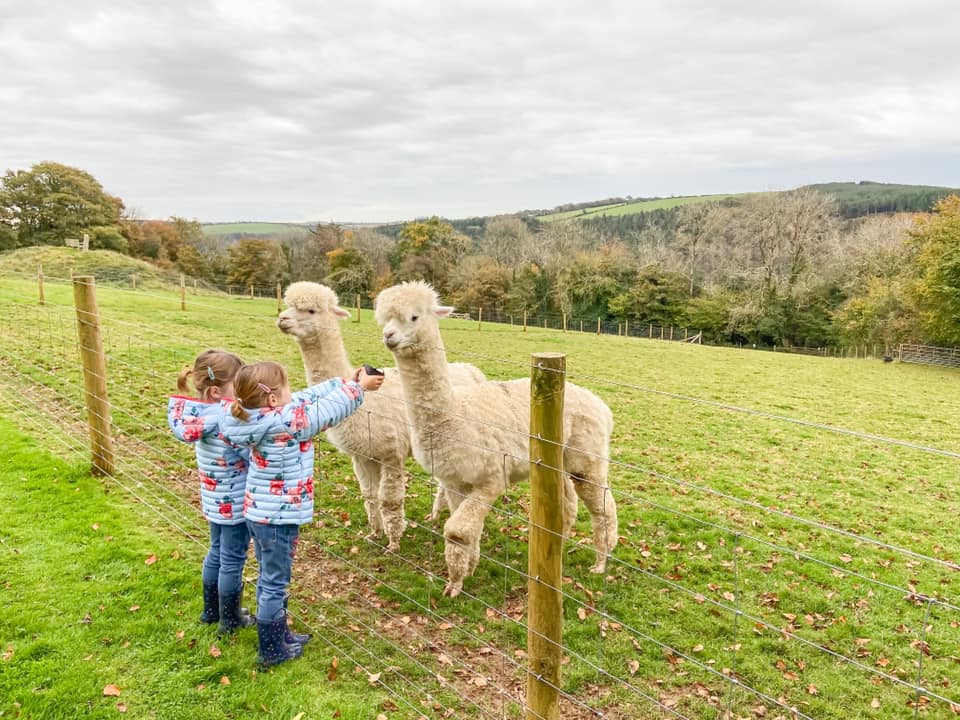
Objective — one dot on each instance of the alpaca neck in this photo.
(324, 356)
(426, 386)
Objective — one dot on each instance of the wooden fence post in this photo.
(357, 300)
(598, 326)
(626, 327)
(251, 291)
(133, 281)
(479, 317)
(40, 283)
(524, 320)
(564, 322)
(183, 292)
(94, 374)
(545, 555)
(279, 298)
(194, 286)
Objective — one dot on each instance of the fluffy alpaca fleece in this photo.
(474, 439)
(376, 437)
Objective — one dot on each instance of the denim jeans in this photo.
(275, 546)
(223, 564)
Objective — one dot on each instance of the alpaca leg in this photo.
(598, 498)
(462, 533)
(368, 475)
(439, 500)
(392, 491)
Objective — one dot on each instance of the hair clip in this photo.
(264, 388)
(210, 373)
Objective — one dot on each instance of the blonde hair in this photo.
(249, 386)
(212, 368)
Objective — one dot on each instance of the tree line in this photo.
(783, 269)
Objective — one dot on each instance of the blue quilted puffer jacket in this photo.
(222, 466)
(280, 479)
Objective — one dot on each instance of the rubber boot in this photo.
(232, 616)
(211, 604)
(293, 637)
(273, 648)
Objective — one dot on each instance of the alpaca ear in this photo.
(443, 310)
(340, 312)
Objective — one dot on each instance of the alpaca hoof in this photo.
(392, 546)
(430, 517)
(453, 589)
(600, 567)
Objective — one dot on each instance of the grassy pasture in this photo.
(759, 548)
(631, 208)
(254, 228)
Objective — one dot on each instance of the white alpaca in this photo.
(376, 437)
(475, 439)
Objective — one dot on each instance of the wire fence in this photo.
(713, 604)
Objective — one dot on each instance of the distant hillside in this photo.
(629, 207)
(868, 198)
(855, 199)
(232, 231)
(106, 266)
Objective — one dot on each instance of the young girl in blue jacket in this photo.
(278, 426)
(223, 478)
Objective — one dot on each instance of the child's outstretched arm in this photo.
(190, 421)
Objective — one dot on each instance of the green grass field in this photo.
(771, 538)
(631, 208)
(254, 228)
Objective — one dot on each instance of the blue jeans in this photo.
(223, 564)
(275, 546)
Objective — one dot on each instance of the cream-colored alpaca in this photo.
(475, 439)
(376, 437)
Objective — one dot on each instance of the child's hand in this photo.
(368, 382)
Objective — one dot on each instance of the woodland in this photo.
(817, 266)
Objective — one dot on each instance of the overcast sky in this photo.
(306, 110)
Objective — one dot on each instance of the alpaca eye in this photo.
(414, 318)
(311, 311)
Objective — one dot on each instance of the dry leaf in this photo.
(373, 678)
(332, 672)
(381, 716)
(121, 708)
(443, 659)
(875, 703)
(224, 680)
(134, 608)
(150, 560)
(298, 716)
(633, 666)
(111, 691)
(214, 651)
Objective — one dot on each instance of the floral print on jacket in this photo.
(222, 467)
(279, 487)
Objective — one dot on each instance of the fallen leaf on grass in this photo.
(875, 703)
(121, 708)
(332, 672)
(111, 691)
(224, 680)
(298, 716)
(214, 651)
(151, 559)
(134, 608)
(373, 678)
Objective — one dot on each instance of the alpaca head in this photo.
(407, 313)
(311, 309)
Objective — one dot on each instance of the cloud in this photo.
(298, 110)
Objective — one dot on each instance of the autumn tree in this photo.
(52, 202)
(308, 257)
(255, 261)
(936, 289)
(429, 250)
(349, 272)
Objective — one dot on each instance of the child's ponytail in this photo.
(183, 378)
(236, 409)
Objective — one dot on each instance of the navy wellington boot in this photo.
(273, 647)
